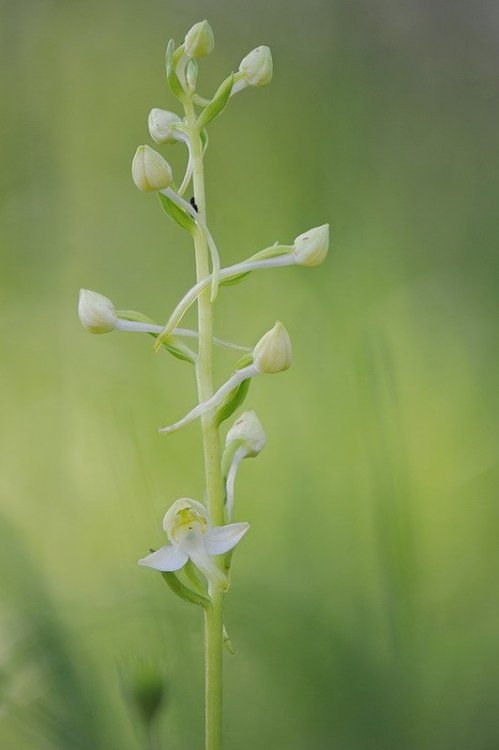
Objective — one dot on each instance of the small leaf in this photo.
(179, 350)
(172, 344)
(270, 252)
(183, 592)
(171, 76)
(134, 316)
(181, 217)
(233, 280)
(217, 104)
(232, 401)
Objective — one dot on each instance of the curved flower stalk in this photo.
(98, 315)
(199, 221)
(271, 354)
(309, 249)
(192, 537)
(245, 439)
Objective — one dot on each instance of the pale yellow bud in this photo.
(273, 352)
(199, 40)
(257, 67)
(96, 312)
(149, 170)
(310, 248)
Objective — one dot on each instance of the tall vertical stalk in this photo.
(211, 450)
(200, 535)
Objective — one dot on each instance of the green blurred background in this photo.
(364, 607)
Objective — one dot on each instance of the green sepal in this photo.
(172, 344)
(217, 104)
(183, 592)
(236, 396)
(171, 76)
(181, 217)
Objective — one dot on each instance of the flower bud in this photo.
(163, 126)
(310, 248)
(257, 67)
(96, 312)
(249, 432)
(199, 40)
(273, 352)
(149, 170)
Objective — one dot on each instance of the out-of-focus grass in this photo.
(363, 610)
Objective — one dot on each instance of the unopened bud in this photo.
(96, 312)
(149, 170)
(273, 352)
(249, 432)
(163, 126)
(199, 40)
(257, 67)
(310, 248)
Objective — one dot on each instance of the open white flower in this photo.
(191, 536)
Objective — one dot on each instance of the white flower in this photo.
(257, 67)
(163, 126)
(245, 439)
(191, 536)
(96, 312)
(273, 352)
(199, 40)
(150, 171)
(248, 431)
(310, 248)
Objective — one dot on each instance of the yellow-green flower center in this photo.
(187, 520)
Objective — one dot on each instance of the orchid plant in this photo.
(195, 562)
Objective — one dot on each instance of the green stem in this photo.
(211, 449)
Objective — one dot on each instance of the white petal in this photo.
(221, 539)
(195, 547)
(165, 558)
